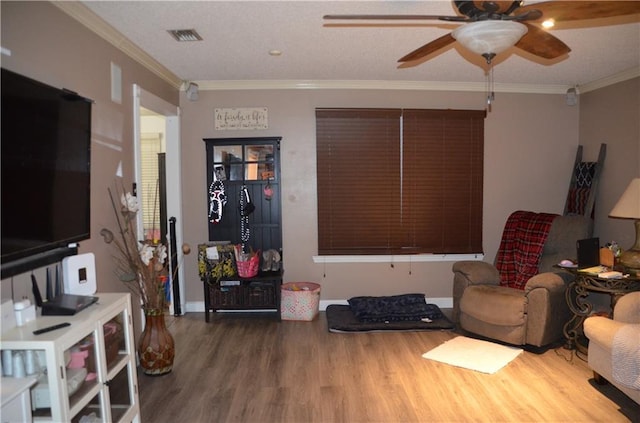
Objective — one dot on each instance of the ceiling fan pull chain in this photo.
(490, 87)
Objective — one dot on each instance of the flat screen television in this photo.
(46, 171)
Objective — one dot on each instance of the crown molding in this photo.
(377, 85)
(85, 16)
(610, 80)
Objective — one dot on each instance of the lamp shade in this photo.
(628, 206)
(489, 37)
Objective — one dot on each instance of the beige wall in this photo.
(612, 115)
(530, 146)
(48, 45)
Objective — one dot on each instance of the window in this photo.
(394, 181)
(151, 146)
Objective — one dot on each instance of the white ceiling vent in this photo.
(185, 34)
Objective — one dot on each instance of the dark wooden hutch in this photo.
(236, 164)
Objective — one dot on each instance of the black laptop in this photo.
(588, 253)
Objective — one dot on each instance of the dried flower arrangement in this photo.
(140, 265)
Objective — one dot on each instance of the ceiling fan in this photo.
(490, 27)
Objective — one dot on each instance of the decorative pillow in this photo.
(393, 308)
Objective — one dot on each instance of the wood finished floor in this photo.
(254, 368)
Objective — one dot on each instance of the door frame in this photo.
(142, 98)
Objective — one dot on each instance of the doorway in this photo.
(152, 150)
(157, 174)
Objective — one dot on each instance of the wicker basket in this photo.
(249, 268)
(299, 301)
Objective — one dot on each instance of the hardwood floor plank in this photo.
(255, 368)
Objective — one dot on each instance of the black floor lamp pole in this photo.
(177, 310)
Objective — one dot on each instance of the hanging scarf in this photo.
(217, 201)
(246, 208)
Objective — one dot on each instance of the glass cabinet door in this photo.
(78, 378)
(228, 162)
(120, 393)
(120, 369)
(259, 162)
(92, 412)
(82, 378)
(115, 397)
(244, 163)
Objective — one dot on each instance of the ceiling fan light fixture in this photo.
(489, 37)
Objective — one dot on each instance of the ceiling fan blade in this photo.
(579, 10)
(542, 44)
(396, 17)
(429, 48)
(529, 15)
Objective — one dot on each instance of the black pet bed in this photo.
(341, 319)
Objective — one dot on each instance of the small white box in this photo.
(610, 275)
(24, 311)
(79, 274)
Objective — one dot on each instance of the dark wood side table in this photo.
(577, 296)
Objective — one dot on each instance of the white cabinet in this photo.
(16, 401)
(85, 369)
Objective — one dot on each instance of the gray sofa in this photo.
(535, 315)
(614, 346)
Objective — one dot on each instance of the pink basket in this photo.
(299, 301)
(248, 269)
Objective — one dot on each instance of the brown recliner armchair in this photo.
(534, 315)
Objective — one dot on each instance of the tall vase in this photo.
(156, 347)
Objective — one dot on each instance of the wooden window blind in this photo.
(442, 180)
(151, 146)
(394, 181)
(358, 177)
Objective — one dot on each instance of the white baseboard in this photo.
(198, 306)
(194, 307)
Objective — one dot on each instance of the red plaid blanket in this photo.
(521, 247)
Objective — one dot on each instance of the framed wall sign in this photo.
(241, 118)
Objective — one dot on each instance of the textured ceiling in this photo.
(238, 36)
